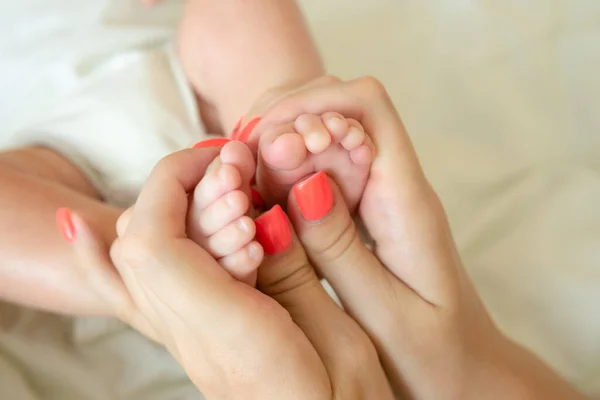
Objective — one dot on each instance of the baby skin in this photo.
(288, 153)
(219, 213)
(219, 218)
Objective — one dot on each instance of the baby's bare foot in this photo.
(337, 145)
(218, 220)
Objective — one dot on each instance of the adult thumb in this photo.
(367, 289)
(287, 275)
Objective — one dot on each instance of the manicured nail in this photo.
(211, 143)
(314, 196)
(273, 231)
(64, 221)
(247, 131)
(257, 199)
(236, 129)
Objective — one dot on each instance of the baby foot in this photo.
(218, 220)
(289, 152)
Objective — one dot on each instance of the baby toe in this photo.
(336, 124)
(355, 136)
(231, 238)
(316, 136)
(242, 264)
(362, 155)
(215, 217)
(282, 148)
(240, 156)
(220, 179)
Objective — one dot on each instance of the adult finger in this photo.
(330, 238)
(155, 238)
(94, 264)
(123, 221)
(162, 205)
(399, 208)
(273, 97)
(370, 293)
(216, 326)
(287, 276)
(164, 270)
(364, 99)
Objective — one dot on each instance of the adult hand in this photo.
(233, 341)
(411, 294)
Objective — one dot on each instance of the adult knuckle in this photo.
(166, 163)
(263, 308)
(329, 79)
(363, 353)
(136, 251)
(337, 245)
(357, 362)
(371, 87)
(366, 352)
(294, 279)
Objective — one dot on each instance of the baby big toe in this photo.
(282, 149)
(242, 264)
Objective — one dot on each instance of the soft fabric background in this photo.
(501, 98)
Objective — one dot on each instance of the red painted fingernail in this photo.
(257, 199)
(64, 221)
(247, 131)
(273, 231)
(314, 196)
(211, 143)
(236, 129)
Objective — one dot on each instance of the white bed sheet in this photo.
(501, 99)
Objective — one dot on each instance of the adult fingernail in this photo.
(211, 143)
(257, 199)
(247, 131)
(64, 221)
(273, 231)
(314, 196)
(236, 129)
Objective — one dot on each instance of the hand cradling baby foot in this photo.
(220, 212)
(288, 153)
(218, 216)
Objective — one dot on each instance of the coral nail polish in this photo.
(236, 129)
(314, 196)
(257, 199)
(273, 231)
(211, 143)
(64, 221)
(247, 131)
